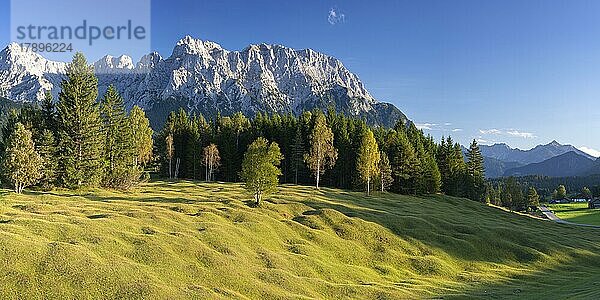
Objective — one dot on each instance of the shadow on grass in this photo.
(479, 233)
(574, 279)
(474, 233)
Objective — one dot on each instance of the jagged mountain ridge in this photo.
(202, 77)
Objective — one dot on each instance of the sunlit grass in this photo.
(576, 213)
(198, 240)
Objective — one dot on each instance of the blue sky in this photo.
(520, 72)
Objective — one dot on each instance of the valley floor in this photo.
(199, 240)
(576, 213)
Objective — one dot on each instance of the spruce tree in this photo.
(385, 172)
(475, 170)
(431, 175)
(20, 163)
(297, 152)
(121, 169)
(46, 148)
(405, 163)
(80, 132)
(49, 112)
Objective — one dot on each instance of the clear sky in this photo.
(520, 72)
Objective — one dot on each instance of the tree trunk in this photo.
(170, 168)
(318, 172)
(368, 185)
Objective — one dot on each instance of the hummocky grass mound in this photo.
(199, 240)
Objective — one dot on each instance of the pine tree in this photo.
(49, 112)
(46, 148)
(121, 169)
(260, 168)
(81, 141)
(476, 173)
(20, 163)
(322, 154)
(240, 124)
(405, 163)
(297, 152)
(385, 172)
(431, 175)
(475, 165)
(368, 159)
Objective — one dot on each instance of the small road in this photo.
(551, 216)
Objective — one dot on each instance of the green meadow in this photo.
(576, 213)
(199, 240)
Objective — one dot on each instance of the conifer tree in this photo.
(476, 170)
(260, 168)
(475, 165)
(46, 148)
(322, 154)
(405, 163)
(431, 175)
(21, 164)
(368, 159)
(385, 172)
(81, 141)
(121, 170)
(240, 124)
(297, 152)
(49, 112)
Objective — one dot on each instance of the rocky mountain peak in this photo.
(202, 77)
(111, 64)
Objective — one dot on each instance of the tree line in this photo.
(320, 148)
(80, 141)
(77, 141)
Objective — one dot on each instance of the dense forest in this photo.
(80, 141)
(545, 185)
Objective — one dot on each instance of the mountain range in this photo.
(202, 77)
(552, 159)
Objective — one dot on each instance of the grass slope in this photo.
(196, 240)
(576, 213)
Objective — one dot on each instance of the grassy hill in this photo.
(196, 240)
